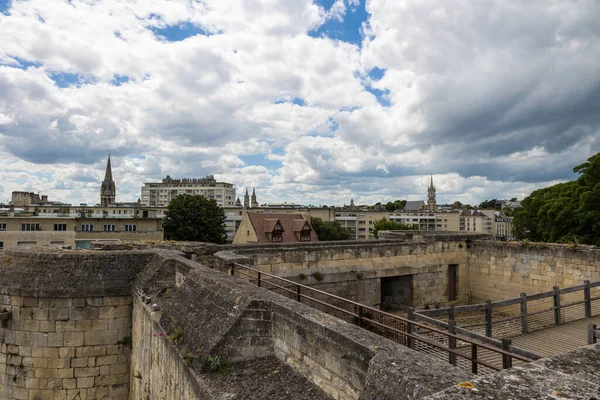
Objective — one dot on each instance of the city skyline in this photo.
(312, 102)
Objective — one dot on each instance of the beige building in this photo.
(28, 230)
(160, 194)
(260, 227)
(476, 221)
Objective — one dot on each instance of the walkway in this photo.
(550, 341)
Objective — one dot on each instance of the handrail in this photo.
(522, 301)
(505, 351)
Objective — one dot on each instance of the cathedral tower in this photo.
(108, 190)
(431, 204)
(254, 201)
(246, 199)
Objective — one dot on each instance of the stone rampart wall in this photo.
(69, 331)
(354, 271)
(499, 271)
(61, 348)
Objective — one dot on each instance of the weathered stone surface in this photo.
(572, 375)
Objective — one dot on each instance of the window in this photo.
(60, 227)
(87, 228)
(1, 245)
(30, 227)
(277, 233)
(305, 233)
(26, 243)
(2, 226)
(361, 229)
(108, 227)
(130, 228)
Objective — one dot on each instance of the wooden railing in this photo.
(593, 334)
(522, 319)
(406, 331)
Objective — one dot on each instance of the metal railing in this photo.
(408, 332)
(523, 314)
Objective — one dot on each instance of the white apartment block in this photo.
(160, 194)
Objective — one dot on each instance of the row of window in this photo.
(31, 227)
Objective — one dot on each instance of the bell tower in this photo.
(431, 204)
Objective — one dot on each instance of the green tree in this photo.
(396, 205)
(195, 218)
(491, 204)
(565, 212)
(385, 224)
(329, 230)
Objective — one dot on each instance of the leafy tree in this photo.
(565, 212)
(385, 224)
(195, 218)
(329, 230)
(491, 204)
(396, 205)
(457, 204)
(513, 199)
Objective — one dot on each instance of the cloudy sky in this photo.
(311, 101)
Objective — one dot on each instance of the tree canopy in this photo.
(491, 204)
(396, 205)
(385, 224)
(565, 212)
(329, 230)
(195, 218)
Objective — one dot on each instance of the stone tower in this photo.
(254, 201)
(246, 199)
(108, 190)
(431, 204)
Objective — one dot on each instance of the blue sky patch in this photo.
(4, 6)
(347, 30)
(296, 100)
(118, 80)
(23, 64)
(260, 160)
(376, 73)
(177, 33)
(381, 95)
(66, 79)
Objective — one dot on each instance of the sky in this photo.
(309, 101)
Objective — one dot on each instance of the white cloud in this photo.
(494, 97)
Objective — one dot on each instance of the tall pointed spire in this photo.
(431, 202)
(108, 173)
(108, 190)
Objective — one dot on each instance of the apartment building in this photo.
(476, 221)
(28, 229)
(160, 194)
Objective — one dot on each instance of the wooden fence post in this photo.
(474, 358)
(410, 327)
(556, 297)
(488, 318)
(258, 279)
(231, 269)
(452, 341)
(452, 313)
(587, 296)
(506, 359)
(592, 334)
(299, 293)
(524, 327)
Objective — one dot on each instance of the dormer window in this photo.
(305, 234)
(277, 233)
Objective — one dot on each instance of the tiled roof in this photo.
(292, 224)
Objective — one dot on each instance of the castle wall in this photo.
(69, 330)
(62, 347)
(499, 270)
(354, 270)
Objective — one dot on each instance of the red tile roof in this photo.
(263, 224)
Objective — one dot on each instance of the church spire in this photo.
(108, 190)
(431, 202)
